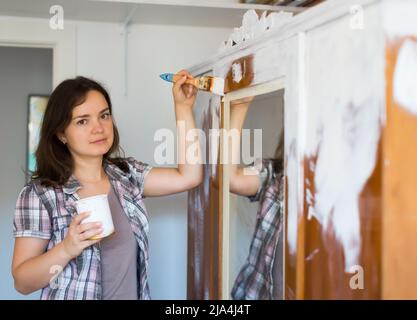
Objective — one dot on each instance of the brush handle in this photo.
(193, 81)
(175, 77)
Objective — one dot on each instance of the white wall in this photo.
(23, 71)
(152, 49)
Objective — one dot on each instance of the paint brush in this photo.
(205, 83)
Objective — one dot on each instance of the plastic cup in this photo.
(99, 209)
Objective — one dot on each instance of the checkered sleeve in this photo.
(139, 171)
(31, 219)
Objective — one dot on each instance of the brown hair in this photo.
(278, 160)
(54, 163)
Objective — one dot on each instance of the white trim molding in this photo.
(24, 32)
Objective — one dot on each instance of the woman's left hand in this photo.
(184, 94)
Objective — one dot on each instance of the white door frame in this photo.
(255, 90)
(36, 33)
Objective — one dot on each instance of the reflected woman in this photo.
(261, 276)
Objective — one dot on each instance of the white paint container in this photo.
(99, 209)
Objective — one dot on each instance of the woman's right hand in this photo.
(77, 238)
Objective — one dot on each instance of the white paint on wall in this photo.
(345, 115)
(405, 77)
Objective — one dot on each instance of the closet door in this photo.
(340, 230)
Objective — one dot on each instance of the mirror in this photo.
(254, 212)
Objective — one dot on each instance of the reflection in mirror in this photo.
(256, 197)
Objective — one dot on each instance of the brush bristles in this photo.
(212, 84)
(218, 86)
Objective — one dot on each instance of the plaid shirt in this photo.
(255, 279)
(46, 213)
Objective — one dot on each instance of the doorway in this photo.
(24, 72)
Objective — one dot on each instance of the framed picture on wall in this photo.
(36, 109)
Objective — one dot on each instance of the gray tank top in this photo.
(118, 256)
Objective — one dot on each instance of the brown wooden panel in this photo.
(300, 263)
(246, 66)
(325, 276)
(203, 263)
(400, 191)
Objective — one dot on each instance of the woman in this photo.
(78, 157)
(260, 278)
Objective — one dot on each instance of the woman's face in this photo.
(90, 132)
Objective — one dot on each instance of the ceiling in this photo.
(219, 13)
